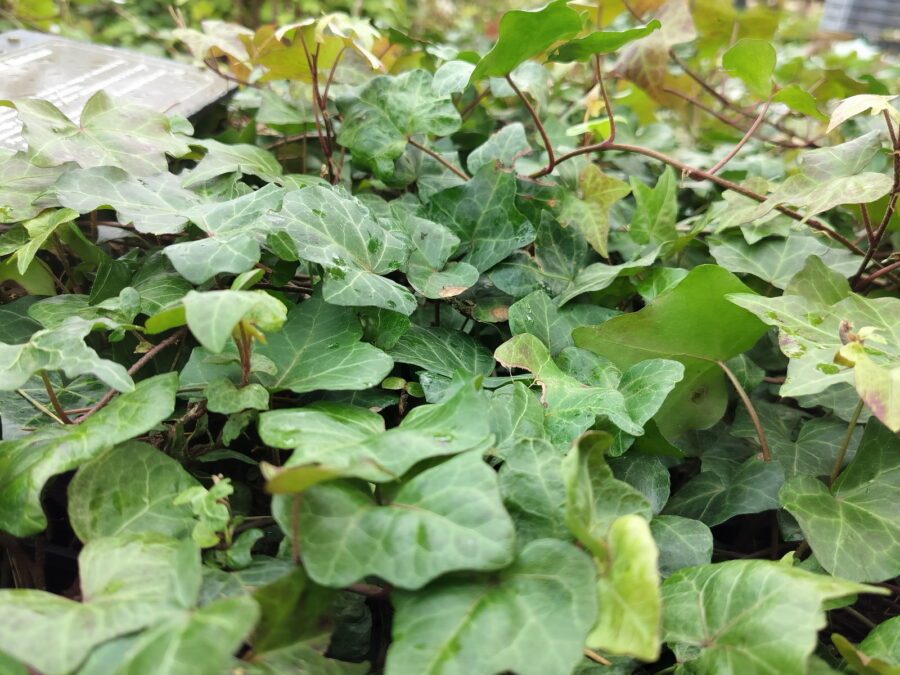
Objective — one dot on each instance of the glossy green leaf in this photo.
(692, 323)
(753, 61)
(533, 490)
(442, 351)
(538, 315)
(598, 276)
(39, 229)
(22, 186)
(601, 42)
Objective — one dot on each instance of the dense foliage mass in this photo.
(576, 354)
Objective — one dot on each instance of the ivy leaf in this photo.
(225, 398)
(777, 259)
(341, 442)
(213, 316)
(483, 214)
(201, 260)
(129, 136)
(28, 463)
(23, 186)
(61, 348)
(129, 490)
(332, 228)
(544, 27)
(587, 210)
(878, 654)
(222, 159)
(381, 116)
(538, 315)
(452, 77)
(127, 584)
(601, 42)
(731, 617)
(453, 509)
(715, 496)
(809, 317)
(38, 230)
(442, 351)
(515, 414)
(753, 61)
(657, 209)
(533, 490)
(628, 592)
(692, 323)
(503, 148)
(852, 528)
(597, 276)
(682, 542)
(55, 311)
(155, 204)
(537, 613)
(799, 100)
(846, 159)
(856, 105)
(629, 400)
(319, 347)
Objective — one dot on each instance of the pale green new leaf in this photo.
(601, 42)
(753, 61)
(531, 620)
(856, 105)
(657, 209)
(222, 396)
(451, 514)
(28, 463)
(587, 210)
(39, 229)
(213, 316)
(853, 528)
(23, 186)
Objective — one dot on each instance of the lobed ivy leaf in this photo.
(125, 135)
(28, 463)
(36, 233)
(731, 617)
(856, 105)
(852, 528)
(452, 510)
(693, 323)
(222, 159)
(502, 148)
(538, 315)
(544, 27)
(442, 351)
(597, 276)
(682, 542)
(753, 61)
(532, 619)
(213, 316)
(601, 42)
(382, 115)
(23, 187)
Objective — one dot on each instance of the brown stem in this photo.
(748, 404)
(60, 412)
(245, 349)
(609, 111)
(428, 151)
(699, 174)
(737, 148)
(865, 281)
(842, 451)
(136, 366)
(867, 223)
(596, 658)
(369, 590)
(548, 146)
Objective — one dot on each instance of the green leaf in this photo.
(483, 214)
(799, 100)
(22, 187)
(846, 159)
(442, 351)
(731, 618)
(127, 583)
(28, 463)
(61, 348)
(601, 42)
(222, 159)
(503, 148)
(777, 259)
(129, 490)
(533, 490)
(538, 315)
(39, 229)
(155, 204)
(54, 312)
(452, 77)
(349, 443)
(532, 619)
(856, 105)
(201, 260)
(427, 269)
(515, 414)
(682, 542)
(129, 136)
(587, 210)
(692, 323)
(628, 592)
(884, 642)
(334, 229)
(381, 116)
(225, 398)
(452, 512)
(213, 316)
(319, 347)
(597, 276)
(543, 27)
(753, 61)
(645, 473)
(657, 209)
(628, 400)
(852, 528)
(810, 316)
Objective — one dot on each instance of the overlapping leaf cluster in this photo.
(448, 363)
